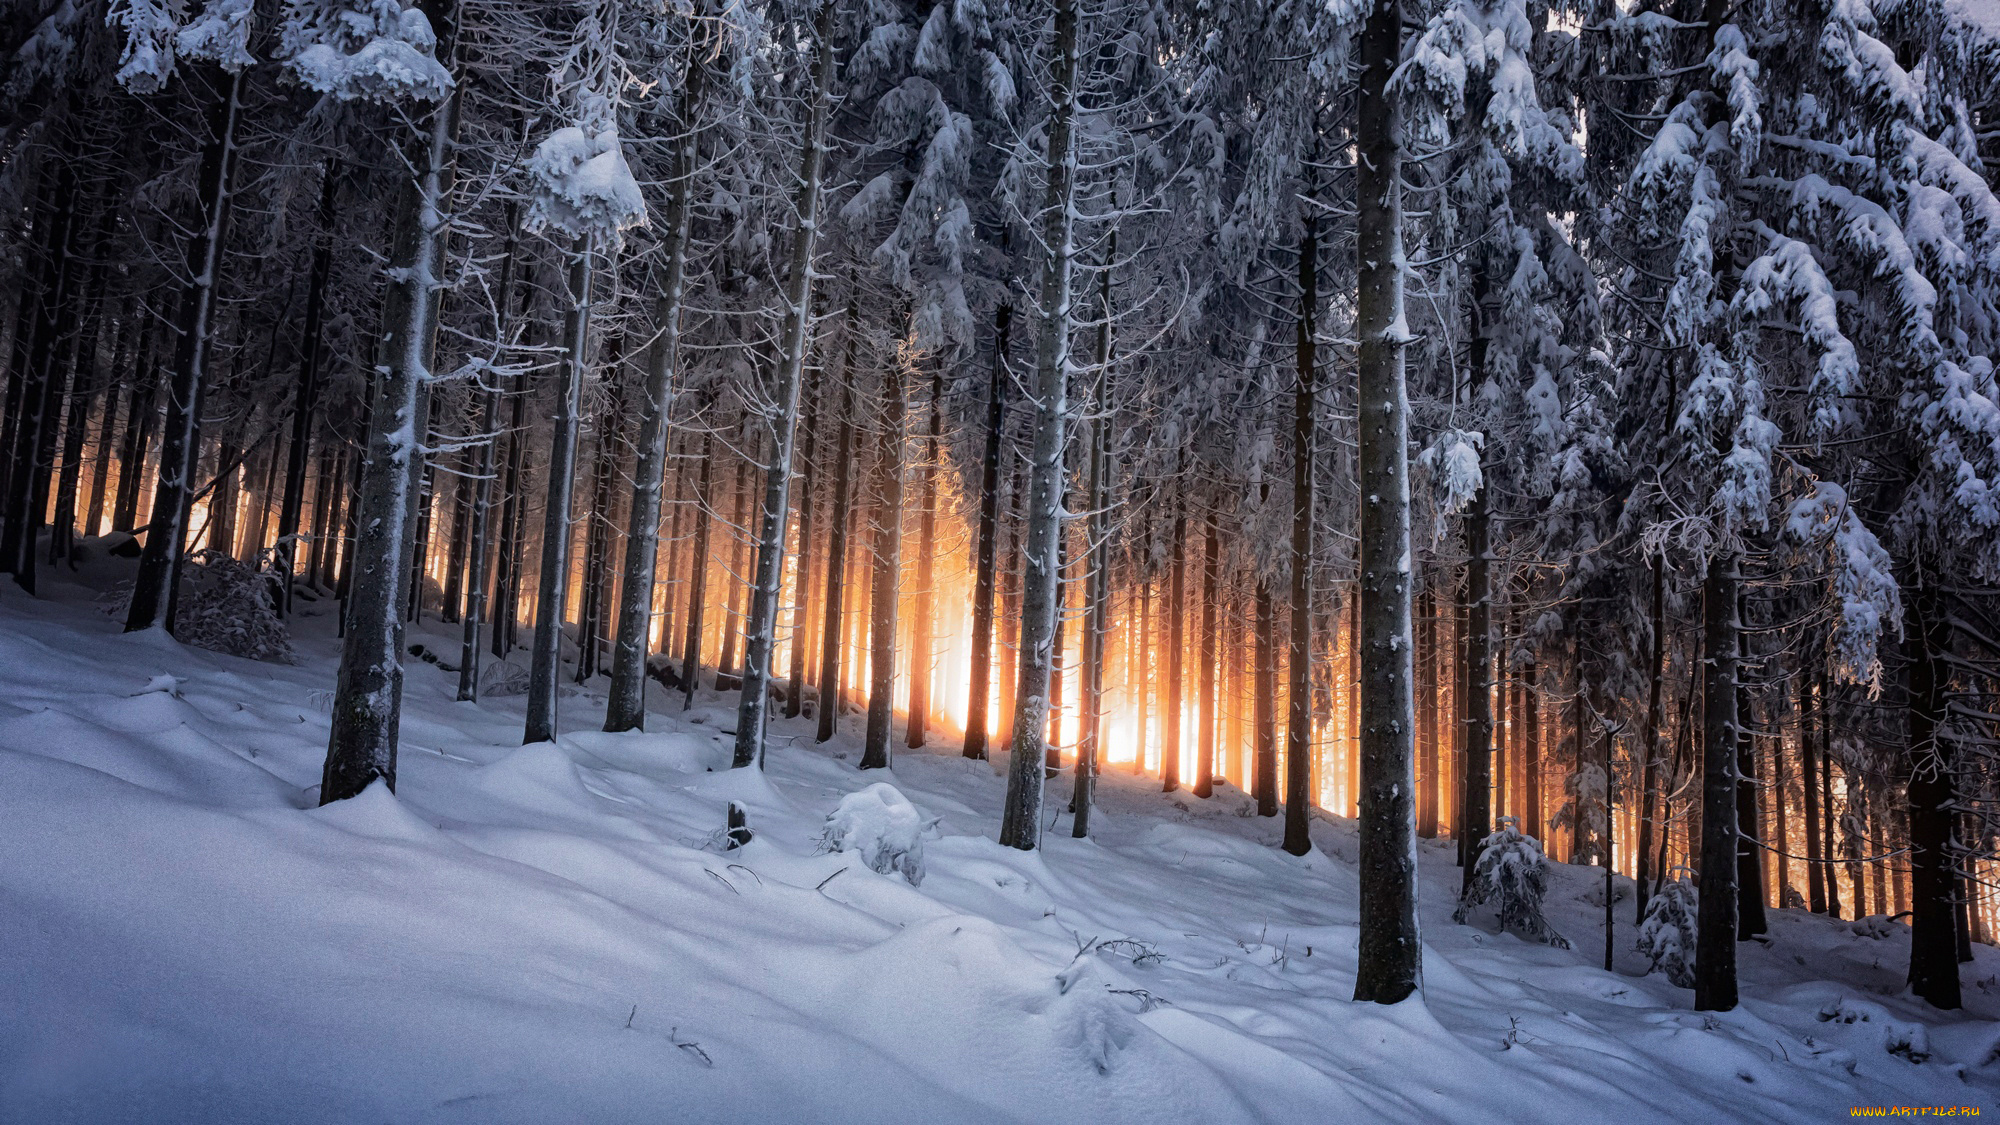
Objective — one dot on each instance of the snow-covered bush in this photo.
(370, 50)
(1585, 789)
(881, 826)
(226, 606)
(582, 185)
(1513, 875)
(1666, 935)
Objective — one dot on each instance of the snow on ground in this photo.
(553, 933)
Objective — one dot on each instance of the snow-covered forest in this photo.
(998, 559)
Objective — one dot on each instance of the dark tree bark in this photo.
(884, 587)
(545, 665)
(1933, 866)
(922, 630)
(1176, 614)
(1809, 779)
(625, 708)
(367, 704)
(484, 466)
(31, 408)
(988, 543)
(1097, 574)
(795, 687)
(1715, 936)
(1298, 693)
(1211, 579)
(1021, 820)
(1749, 855)
(1649, 766)
(154, 592)
(761, 629)
(836, 557)
(734, 569)
(305, 399)
(1390, 959)
(1264, 787)
(513, 526)
(704, 525)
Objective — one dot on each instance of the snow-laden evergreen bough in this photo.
(1512, 877)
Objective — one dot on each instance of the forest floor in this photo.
(552, 933)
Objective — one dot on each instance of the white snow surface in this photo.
(552, 933)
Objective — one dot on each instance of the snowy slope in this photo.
(552, 933)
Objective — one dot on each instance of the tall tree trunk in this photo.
(1531, 757)
(802, 602)
(980, 689)
(1933, 879)
(1097, 572)
(552, 583)
(836, 558)
(704, 525)
(1176, 613)
(1749, 862)
(513, 525)
(760, 631)
(735, 567)
(1715, 937)
(1390, 961)
(884, 586)
(367, 702)
(132, 449)
(1264, 787)
(484, 466)
(305, 399)
(1211, 580)
(1298, 693)
(1826, 830)
(155, 590)
(31, 409)
(1651, 745)
(922, 629)
(1809, 779)
(1021, 821)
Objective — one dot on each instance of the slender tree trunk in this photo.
(1715, 938)
(1390, 960)
(704, 524)
(1265, 786)
(1826, 829)
(1211, 579)
(922, 630)
(980, 689)
(1649, 766)
(1610, 833)
(1097, 574)
(836, 556)
(733, 572)
(132, 448)
(30, 407)
(1531, 746)
(1176, 613)
(1021, 822)
(795, 687)
(1749, 855)
(367, 702)
(305, 399)
(1298, 694)
(513, 525)
(154, 592)
(884, 586)
(760, 631)
(484, 467)
(1809, 779)
(552, 583)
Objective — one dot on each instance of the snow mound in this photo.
(881, 826)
